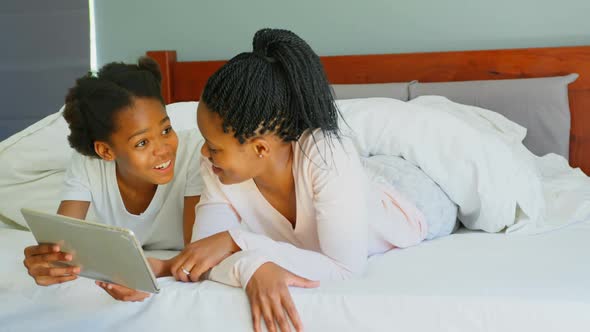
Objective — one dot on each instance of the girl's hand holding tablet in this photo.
(42, 263)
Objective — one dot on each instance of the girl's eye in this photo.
(141, 144)
(166, 131)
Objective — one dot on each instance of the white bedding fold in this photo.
(478, 160)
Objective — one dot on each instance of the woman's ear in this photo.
(261, 147)
(104, 150)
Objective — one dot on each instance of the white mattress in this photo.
(464, 282)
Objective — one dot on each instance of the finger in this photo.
(255, 317)
(136, 297)
(197, 271)
(289, 306)
(268, 318)
(46, 281)
(182, 272)
(298, 281)
(123, 293)
(122, 289)
(107, 287)
(49, 258)
(44, 248)
(127, 294)
(175, 268)
(186, 266)
(279, 315)
(112, 293)
(55, 271)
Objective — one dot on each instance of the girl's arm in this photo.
(161, 268)
(190, 202)
(74, 209)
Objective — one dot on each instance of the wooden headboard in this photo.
(184, 81)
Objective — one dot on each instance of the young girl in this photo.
(130, 166)
(283, 186)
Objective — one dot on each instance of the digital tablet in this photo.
(102, 252)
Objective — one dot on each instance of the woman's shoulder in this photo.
(317, 142)
(316, 149)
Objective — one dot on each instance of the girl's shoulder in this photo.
(88, 168)
(79, 160)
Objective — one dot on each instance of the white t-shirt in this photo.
(160, 225)
(342, 217)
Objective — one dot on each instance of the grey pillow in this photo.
(538, 104)
(390, 90)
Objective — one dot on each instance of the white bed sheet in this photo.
(469, 281)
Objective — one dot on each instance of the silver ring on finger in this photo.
(187, 272)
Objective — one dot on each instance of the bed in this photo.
(469, 281)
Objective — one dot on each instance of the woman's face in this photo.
(232, 161)
(144, 143)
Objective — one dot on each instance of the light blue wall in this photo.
(45, 47)
(219, 29)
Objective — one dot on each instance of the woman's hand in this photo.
(200, 256)
(40, 261)
(268, 292)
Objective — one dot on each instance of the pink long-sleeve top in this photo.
(342, 216)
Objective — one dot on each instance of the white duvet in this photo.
(466, 282)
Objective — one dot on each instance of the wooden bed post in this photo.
(166, 60)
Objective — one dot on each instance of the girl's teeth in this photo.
(163, 165)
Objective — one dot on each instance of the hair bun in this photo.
(149, 64)
(266, 40)
(116, 71)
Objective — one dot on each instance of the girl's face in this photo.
(232, 162)
(143, 144)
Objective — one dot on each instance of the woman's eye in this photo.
(141, 144)
(166, 131)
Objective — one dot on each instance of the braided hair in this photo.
(91, 105)
(279, 87)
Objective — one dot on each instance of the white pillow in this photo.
(183, 115)
(487, 174)
(34, 161)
